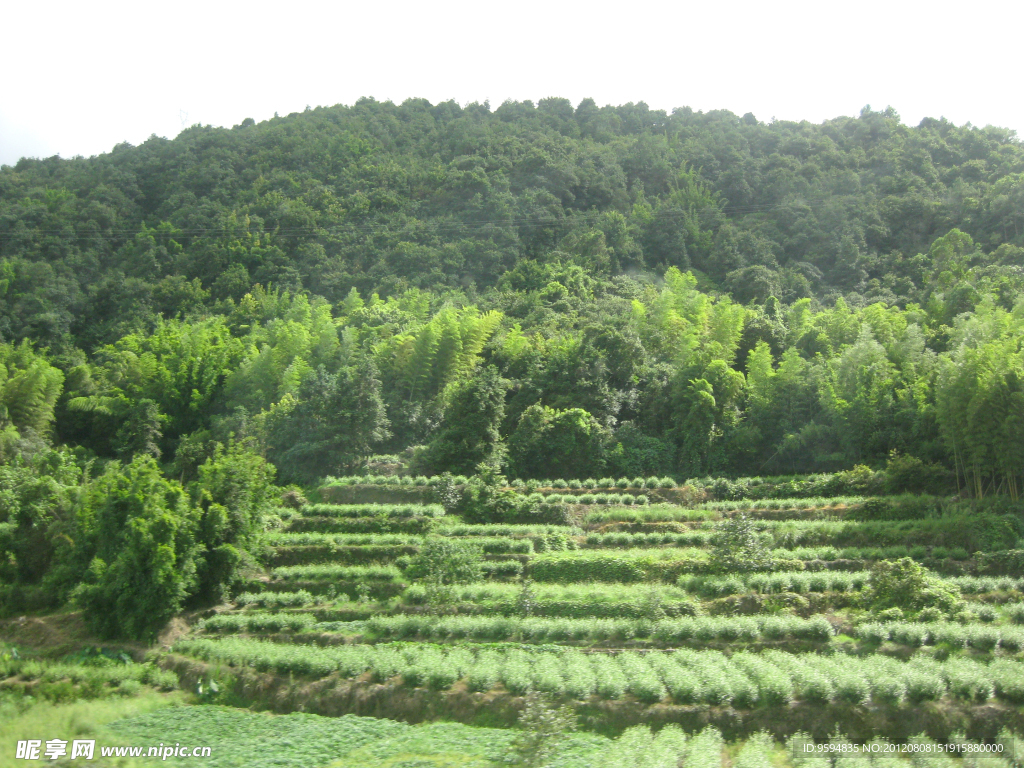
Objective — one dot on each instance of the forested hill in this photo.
(557, 290)
(383, 198)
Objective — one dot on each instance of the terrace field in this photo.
(622, 614)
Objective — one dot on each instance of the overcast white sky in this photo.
(82, 77)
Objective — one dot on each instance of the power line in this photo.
(429, 225)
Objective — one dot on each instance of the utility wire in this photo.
(428, 225)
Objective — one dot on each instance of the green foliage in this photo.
(905, 584)
(648, 627)
(542, 727)
(235, 492)
(443, 562)
(683, 676)
(908, 474)
(469, 435)
(331, 425)
(739, 547)
(29, 388)
(548, 441)
(37, 498)
(582, 293)
(136, 536)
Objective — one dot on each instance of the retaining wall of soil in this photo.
(333, 696)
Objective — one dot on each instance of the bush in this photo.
(442, 562)
(739, 547)
(575, 569)
(142, 547)
(908, 474)
(905, 584)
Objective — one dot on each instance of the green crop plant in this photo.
(744, 680)
(373, 510)
(332, 572)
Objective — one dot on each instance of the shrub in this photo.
(922, 686)
(905, 474)
(891, 614)
(442, 562)
(738, 547)
(985, 613)
(1015, 613)
(905, 584)
(929, 614)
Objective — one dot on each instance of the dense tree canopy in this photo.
(540, 289)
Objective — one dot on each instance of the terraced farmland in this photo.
(621, 614)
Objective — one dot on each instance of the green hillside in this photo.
(682, 307)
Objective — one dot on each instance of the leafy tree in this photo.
(553, 443)
(332, 426)
(37, 497)
(29, 388)
(469, 434)
(907, 585)
(234, 492)
(540, 730)
(739, 547)
(135, 545)
(443, 562)
(140, 433)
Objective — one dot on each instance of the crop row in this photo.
(918, 538)
(337, 572)
(543, 630)
(479, 535)
(669, 563)
(322, 524)
(258, 622)
(540, 630)
(611, 594)
(420, 480)
(773, 583)
(672, 513)
(973, 585)
(423, 481)
(373, 510)
(589, 498)
(333, 572)
(895, 552)
(594, 483)
(985, 532)
(813, 502)
(977, 636)
(742, 679)
(620, 540)
(89, 675)
(295, 599)
(490, 545)
(568, 601)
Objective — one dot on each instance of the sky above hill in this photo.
(80, 78)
